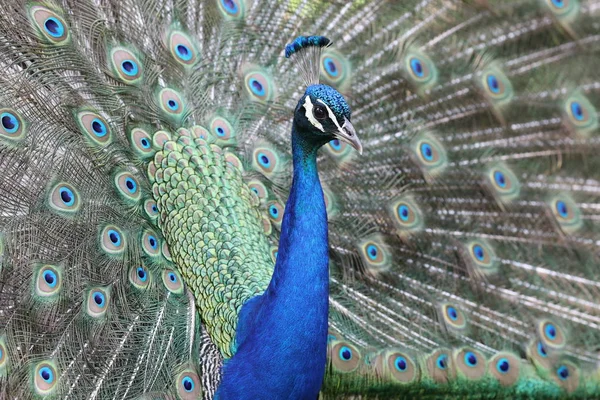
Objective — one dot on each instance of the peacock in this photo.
(299, 199)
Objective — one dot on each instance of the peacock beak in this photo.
(348, 134)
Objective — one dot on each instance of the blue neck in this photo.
(282, 335)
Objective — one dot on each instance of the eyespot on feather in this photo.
(222, 130)
(343, 356)
(64, 198)
(127, 186)
(580, 114)
(566, 213)
(150, 243)
(50, 25)
(141, 143)
(45, 378)
(48, 281)
(396, 366)
(429, 154)
(151, 209)
(551, 334)
(97, 301)
(258, 83)
(439, 366)
(171, 103)
(172, 281)
(94, 127)
(12, 126)
(419, 70)
(112, 240)
(406, 215)
(265, 160)
(505, 367)
(496, 86)
(189, 386)
(139, 276)
(275, 211)
(232, 9)
(452, 317)
(503, 182)
(481, 257)
(182, 48)
(563, 9)
(539, 355)
(374, 253)
(126, 66)
(258, 189)
(567, 375)
(335, 68)
(470, 363)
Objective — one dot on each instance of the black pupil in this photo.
(479, 252)
(49, 278)
(274, 210)
(128, 66)
(187, 384)
(52, 26)
(220, 130)
(332, 66)
(129, 185)
(7, 122)
(402, 364)
(182, 50)
(172, 103)
(494, 83)
(319, 112)
(144, 142)
(98, 299)
(141, 273)
(65, 196)
(113, 237)
(418, 67)
(45, 375)
(257, 86)
(97, 127)
(472, 359)
(172, 277)
(152, 242)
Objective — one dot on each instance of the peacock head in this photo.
(322, 115)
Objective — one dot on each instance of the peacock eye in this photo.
(319, 112)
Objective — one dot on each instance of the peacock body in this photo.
(148, 147)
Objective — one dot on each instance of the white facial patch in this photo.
(308, 106)
(331, 115)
